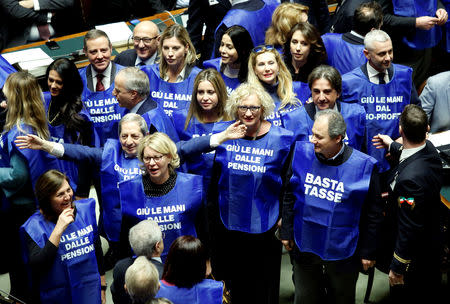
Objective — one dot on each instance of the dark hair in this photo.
(317, 53)
(46, 186)
(329, 73)
(414, 123)
(185, 265)
(367, 16)
(243, 44)
(68, 103)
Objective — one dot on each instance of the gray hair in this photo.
(328, 73)
(245, 90)
(375, 35)
(136, 80)
(142, 280)
(336, 123)
(143, 237)
(133, 117)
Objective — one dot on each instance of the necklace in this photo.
(257, 131)
(48, 114)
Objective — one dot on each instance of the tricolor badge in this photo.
(410, 201)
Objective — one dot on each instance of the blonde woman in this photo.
(285, 16)
(172, 80)
(209, 98)
(20, 169)
(267, 70)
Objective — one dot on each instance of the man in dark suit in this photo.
(27, 20)
(145, 39)
(414, 196)
(345, 51)
(146, 240)
(205, 13)
(383, 88)
(342, 19)
(132, 91)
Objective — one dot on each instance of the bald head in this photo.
(146, 30)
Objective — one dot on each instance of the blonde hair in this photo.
(25, 105)
(179, 32)
(285, 16)
(244, 91)
(161, 143)
(214, 77)
(285, 90)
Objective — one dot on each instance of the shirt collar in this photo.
(357, 35)
(148, 61)
(180, 76)
(410, 152)
(373, 74)
(106, 73)
(137, 106)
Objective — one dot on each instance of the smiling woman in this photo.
(63, 248)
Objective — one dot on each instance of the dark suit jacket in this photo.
(148, 105)
(202, 13)
(126, 58)
(414, 96)
(350, 38)
(342, 19)
(318, 14)
(118, 292)
(90, 85)
(416, 228)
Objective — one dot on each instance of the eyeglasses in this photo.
(145, 40)
(253, 109)
(156, 159)
(262, 48)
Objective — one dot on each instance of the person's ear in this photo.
(366, 53)
(125, 287)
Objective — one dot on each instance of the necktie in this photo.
(142, 63)
(99, 87)
(44, 31)
(381, 78)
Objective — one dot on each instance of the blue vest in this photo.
(255, 22)
(275, 117)
(59, 134)
(103, 108)
(446, 33)
(300, 123)
(115, 168)
(206, 292)
(328, 203)
(195, 164)
(342, 55)
(417, 8)
(383, 104)
(5, 70)
(170, 96)
(302, 90)
(250, 181)
(231, 83)
(175, 212)
(73, 277)
(38, 161)
(161, 122)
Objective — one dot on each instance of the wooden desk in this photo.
(74, 42)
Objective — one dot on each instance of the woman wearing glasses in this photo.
(171, 81)
(267, 70)
(173, 199)
(117, 162)
(303, 51)
(207, 107)
(243, 201)
(235, 49)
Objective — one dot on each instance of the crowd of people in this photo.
(208, 156)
